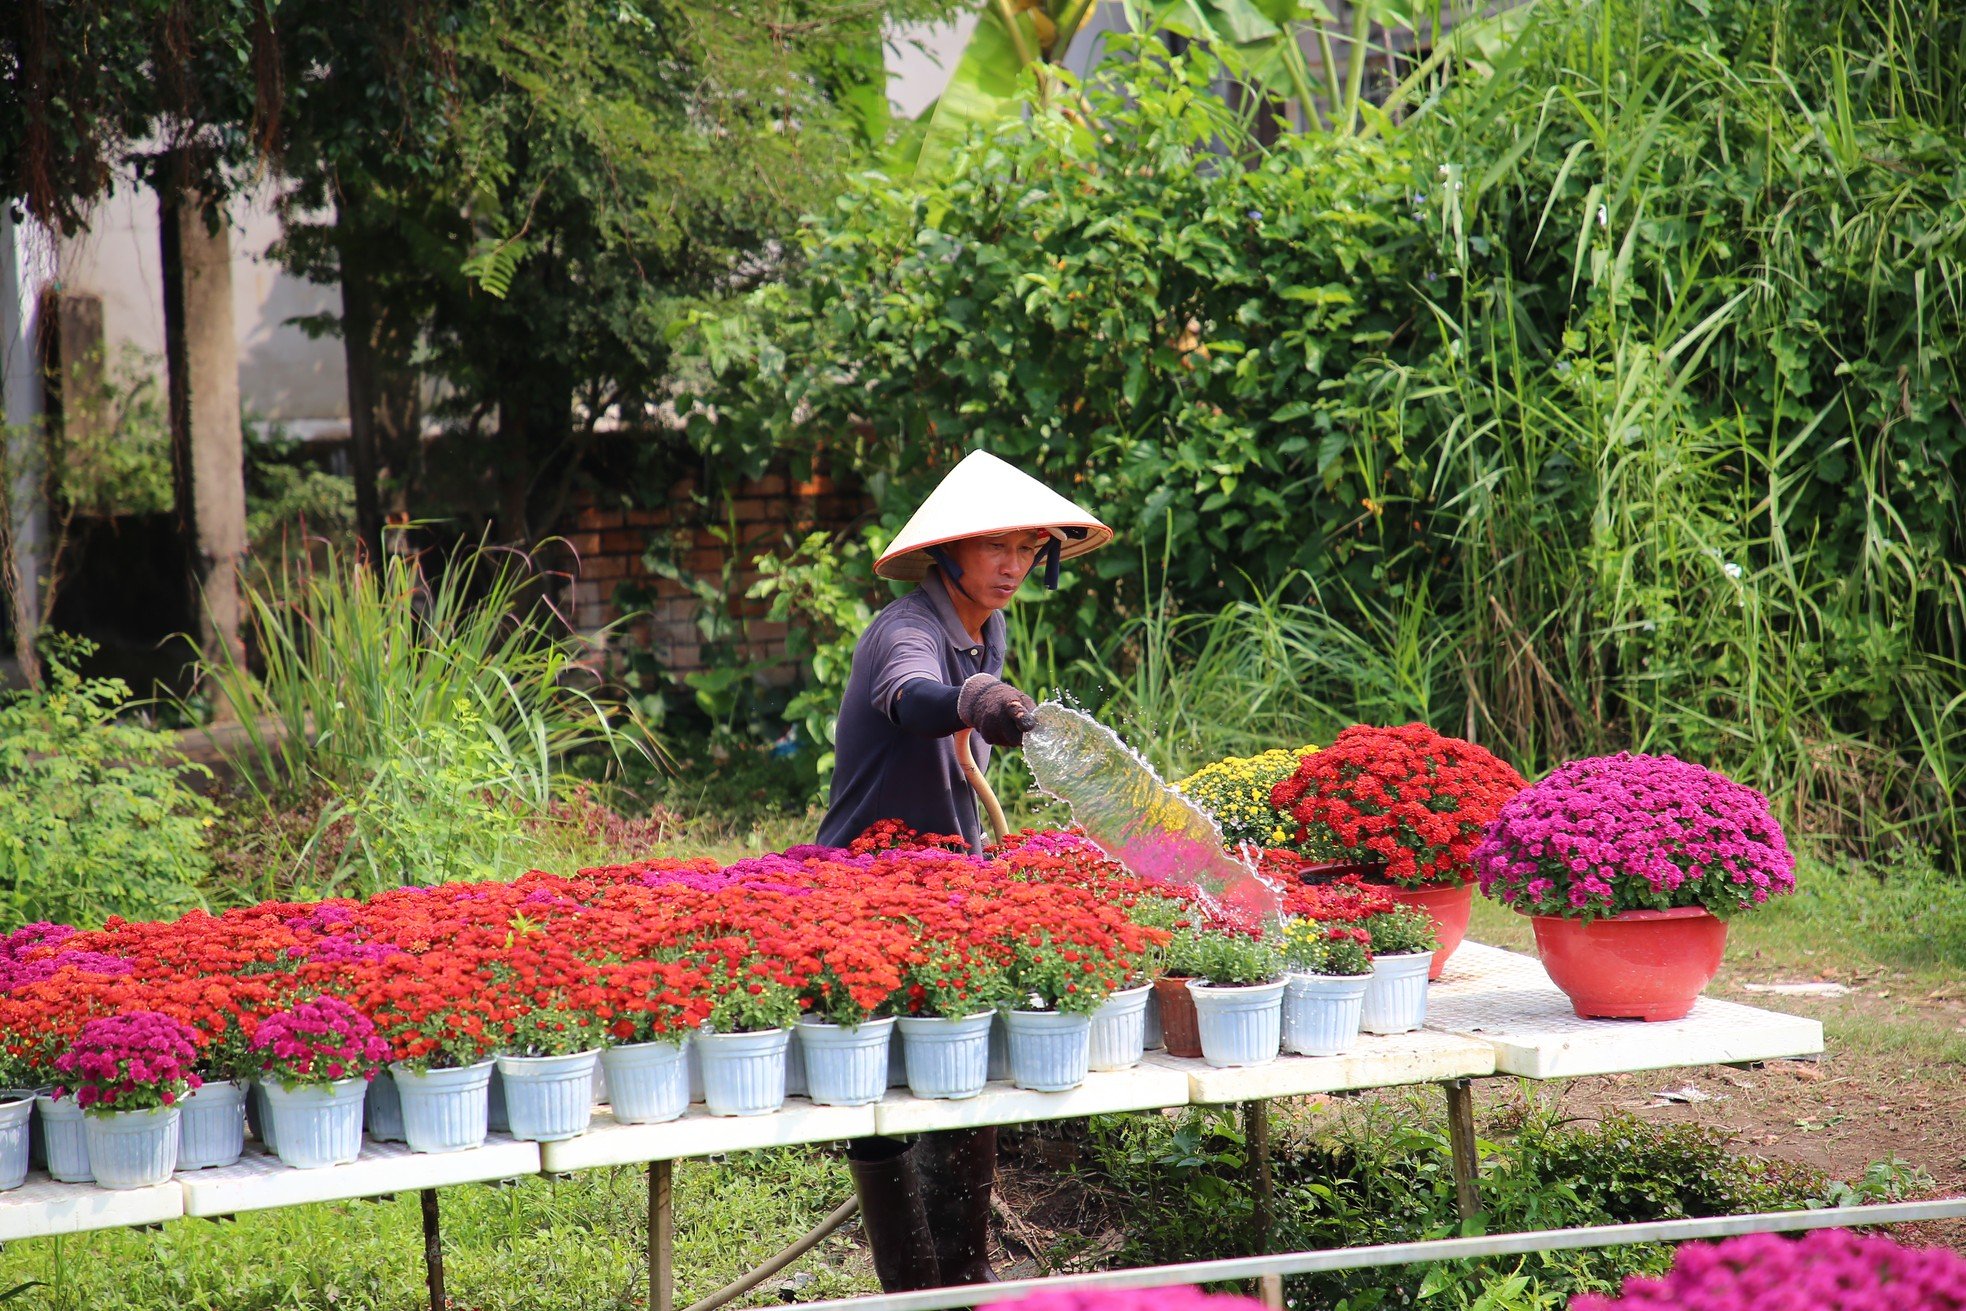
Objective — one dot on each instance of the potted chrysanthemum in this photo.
(549, 1054)
(1238, 993)
(652, 1007)
(1403, 943)
(127, 1073)
(1409, 802)
(1329, 966)
(1057, 978)
(754, 1002)
(315, 1059)
(949, 992)
(1629, 867)
(1236, 790)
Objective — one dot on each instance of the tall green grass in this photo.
(427, 708)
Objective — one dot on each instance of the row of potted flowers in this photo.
(142, 1023)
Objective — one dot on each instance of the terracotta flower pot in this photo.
(1180, 1031)
(1639, 965)
(1327, 873)
(1450, 908)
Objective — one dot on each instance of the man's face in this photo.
(994, 567)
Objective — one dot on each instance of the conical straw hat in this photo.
(981, 497)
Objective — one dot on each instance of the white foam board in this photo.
(1377, 1061)
(1144, 1087)
(259, 1180)
(41, 1207)
(698, 1133)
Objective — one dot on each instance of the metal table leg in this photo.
(433, 1249)
(1461, 1146)
(661, 1238)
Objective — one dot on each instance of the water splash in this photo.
(1133, 816)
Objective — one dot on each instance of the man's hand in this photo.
(997, 710)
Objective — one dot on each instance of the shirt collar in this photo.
(953, 631)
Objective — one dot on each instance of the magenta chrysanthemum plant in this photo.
(135, 1061)
(1831, 1270)
(317, 1042)
(1624, 832)
(1183, 1298)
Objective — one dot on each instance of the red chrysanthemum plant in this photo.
(1409, 797)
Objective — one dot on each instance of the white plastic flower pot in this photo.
(743, 1073)
(549, 1099)
(259, 1120)
(16, 1119)
(1396, 995)
(694, 1060)
(795, 1070)
(444, 1110)
(496, 1118)
(897, 1064)
(846, 1065)
(1049, 1051)
(946, 1058)
(68, 1150)
(37, 1146)
(1239, 1025)
(999, 1066)
(382, 1109)
(212, 1129)
(1119, 1030)
(648, 1081)
(1154, 1039)
(1321, 1012)
(317, 1125)
(132, 1149)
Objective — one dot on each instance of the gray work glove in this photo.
(998, 711)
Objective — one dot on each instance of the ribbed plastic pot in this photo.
(743, 1073)
(549, 1099)
(259, 1121)
(1396, 994)
(1239, 1025)
(999, 1059)
(845, 1065)
(212, 1130)
(897, 1065)
(1118, 1038)
(1049, 1052)
(946, 1058)
(132, 1149)
(1177, 1016)
(444, 1110)
(694, 1060)
(795, 1070)
(16, 1117)
(68, 1149)
(37, 1147)
(1321, 1012)
(317, 1125)
(382, 1109)
(648, 1081)
(1154, 1039)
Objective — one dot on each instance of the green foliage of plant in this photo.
(1314, 947)
(98, 816)
(1400, 931)
(1602, 403)
(436, 713)
(1236, 959)
(820, 589)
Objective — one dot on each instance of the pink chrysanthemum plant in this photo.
(1830, 1270)
(316, 1042)
(1616, 833)
(135, 1061)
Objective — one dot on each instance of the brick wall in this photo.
(611, 545)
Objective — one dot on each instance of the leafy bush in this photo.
(97, 816)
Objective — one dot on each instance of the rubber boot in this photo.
(959, 1171)
(888, 1182)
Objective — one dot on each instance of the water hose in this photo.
(745, 1283)
(974, 773)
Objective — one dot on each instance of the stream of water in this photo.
(1125, 808)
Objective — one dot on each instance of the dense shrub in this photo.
(97, 815)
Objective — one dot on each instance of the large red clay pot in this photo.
(1637, 965)
(1450, 908)
(1179, 1030)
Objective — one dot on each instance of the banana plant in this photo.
(1257, 41)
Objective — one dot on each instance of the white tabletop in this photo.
(41, 1206)
(260, 1180)
(699, 1133)
(1505, 999)
(1376, 1061)
(1144, 1087)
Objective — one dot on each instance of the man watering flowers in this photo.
(926, 669)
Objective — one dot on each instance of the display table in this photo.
(1495, 1012)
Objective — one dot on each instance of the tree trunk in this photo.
(201, 354)
(358, 350)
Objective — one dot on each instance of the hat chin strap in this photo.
(1051, 555)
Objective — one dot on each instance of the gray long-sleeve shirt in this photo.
(881, 771)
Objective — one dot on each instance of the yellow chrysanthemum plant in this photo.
(1236, 791)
